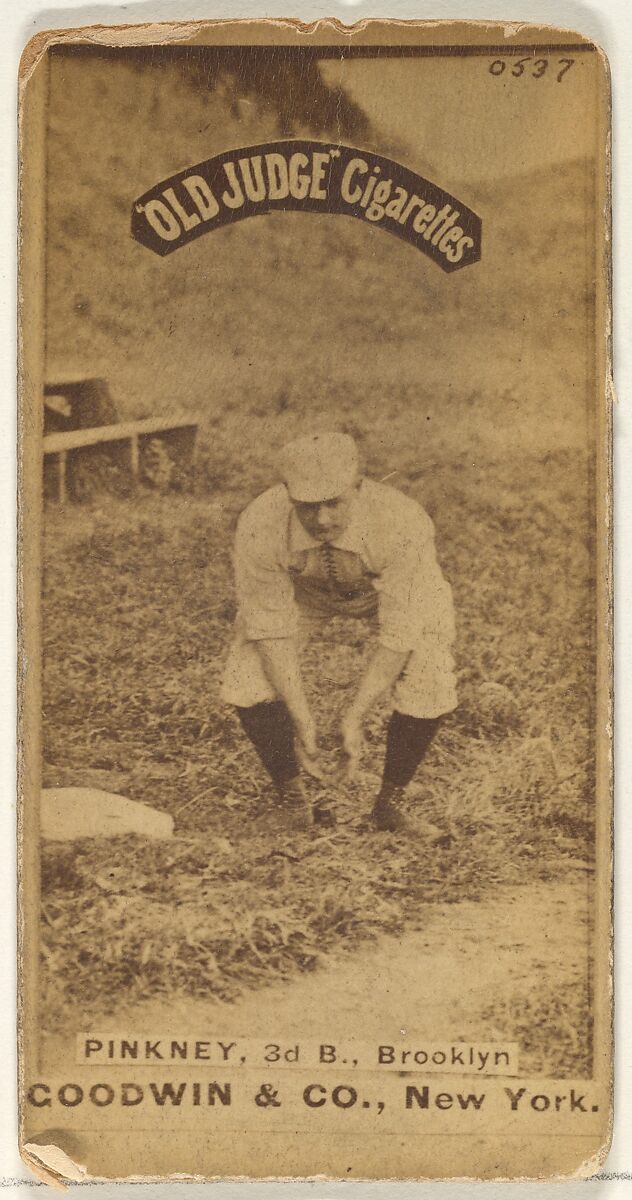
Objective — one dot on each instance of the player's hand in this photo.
(352, 743)
(306, 746)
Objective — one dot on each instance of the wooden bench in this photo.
(181, 433)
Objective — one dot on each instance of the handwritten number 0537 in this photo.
(535, 67)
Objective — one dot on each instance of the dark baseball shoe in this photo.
(325, 816)
(295, 804)
(387, 817)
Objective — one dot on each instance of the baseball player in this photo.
(327, 541)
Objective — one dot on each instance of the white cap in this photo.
(320, 466)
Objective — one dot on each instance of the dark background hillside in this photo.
(294, 316)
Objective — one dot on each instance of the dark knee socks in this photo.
(407, 741)
(270, 729)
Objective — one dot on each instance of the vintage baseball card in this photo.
(315, 707)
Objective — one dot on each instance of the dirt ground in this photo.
(449, 980)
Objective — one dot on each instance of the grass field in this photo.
(138, 609)
(473, 392)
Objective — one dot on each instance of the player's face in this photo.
(326, 520)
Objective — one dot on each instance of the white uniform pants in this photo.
(425, 688)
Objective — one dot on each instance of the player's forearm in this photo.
(281, 665)
(382, 671)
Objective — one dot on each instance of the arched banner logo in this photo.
(307, 176)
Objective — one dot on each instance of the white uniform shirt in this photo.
(390, 551)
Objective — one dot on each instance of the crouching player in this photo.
(324, 542)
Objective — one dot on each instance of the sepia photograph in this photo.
(317, 834)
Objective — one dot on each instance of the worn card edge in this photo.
(47, 1167)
